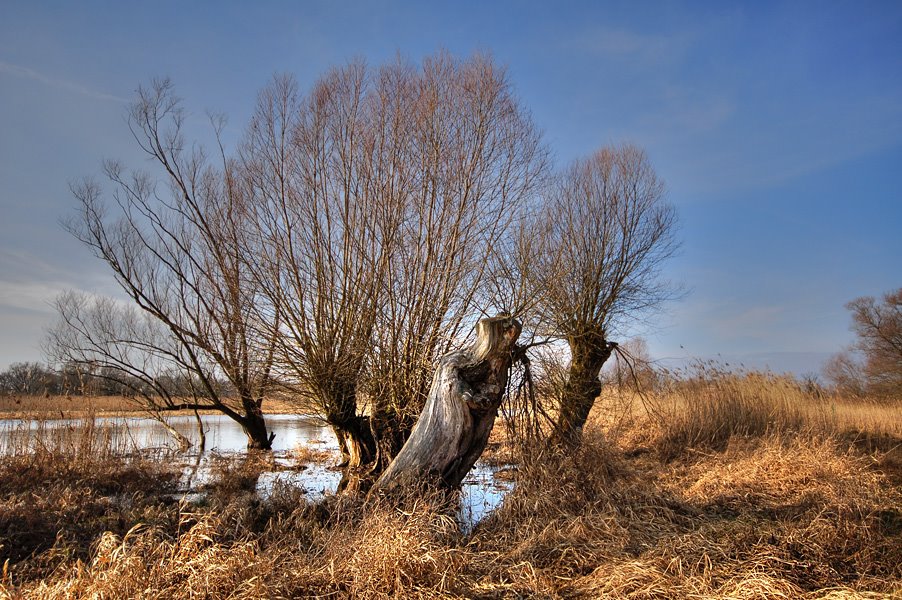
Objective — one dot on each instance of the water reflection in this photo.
(317, 481)
(223, 434)
(481, 491)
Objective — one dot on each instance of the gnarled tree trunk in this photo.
(355, 441)
(254, 425)
(454, 426)
(582, 387)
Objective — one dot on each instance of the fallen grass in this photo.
(766, 497)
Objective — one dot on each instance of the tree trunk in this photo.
(183, 442)
(460, 411)
(391, 433)
(355, 440)
(201, 432)
(254, 426)
(582, 387)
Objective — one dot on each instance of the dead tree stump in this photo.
(453, 429)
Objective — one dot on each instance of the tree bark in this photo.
(583, 386)
(254, 425)
(391, 431)
(355, 441)
(452, 431)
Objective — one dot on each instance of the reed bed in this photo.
(728, 488)
(62, 486)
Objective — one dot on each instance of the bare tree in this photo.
(632, 368)
(179, 255)
(878, 327)
(27, 378)
(474, 156)
(322, 171)
(126, 347)
(597, 246)
(845, 370)
(379, 198)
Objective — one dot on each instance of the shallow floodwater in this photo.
(223, 434)
(481, 492)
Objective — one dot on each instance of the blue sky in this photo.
(778, 128)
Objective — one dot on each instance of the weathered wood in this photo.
(454, 427)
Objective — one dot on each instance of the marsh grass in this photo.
(61, 487)
(313, 453)
(707, 410)
(746, 488)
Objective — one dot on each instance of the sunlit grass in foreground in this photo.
(725, 486)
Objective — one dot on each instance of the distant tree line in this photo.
(74, 379)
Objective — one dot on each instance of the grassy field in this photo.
(729, 486)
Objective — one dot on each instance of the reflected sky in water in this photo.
(481, 492)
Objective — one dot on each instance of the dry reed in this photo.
(767, 496)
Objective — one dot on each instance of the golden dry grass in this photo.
(313, 453)
(773, 495)
(706, 412)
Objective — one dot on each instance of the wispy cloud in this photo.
(756, 322)
(685, 110)
(28, 297)
(631, 45)
(70, 86)
(729, 322)
(29, 283)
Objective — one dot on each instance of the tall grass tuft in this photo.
(707, 410)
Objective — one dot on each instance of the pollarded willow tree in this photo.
(474, 158)
(323, 171)
(598, 242)
(379, 198)
(177, 248)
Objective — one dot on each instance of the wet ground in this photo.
(481, 491)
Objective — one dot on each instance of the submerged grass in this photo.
(744, 488)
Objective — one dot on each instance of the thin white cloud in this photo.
(28, 297)
(20, 266)
(756, 322)
(71, 86)
(30, 283)
(623, 44)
